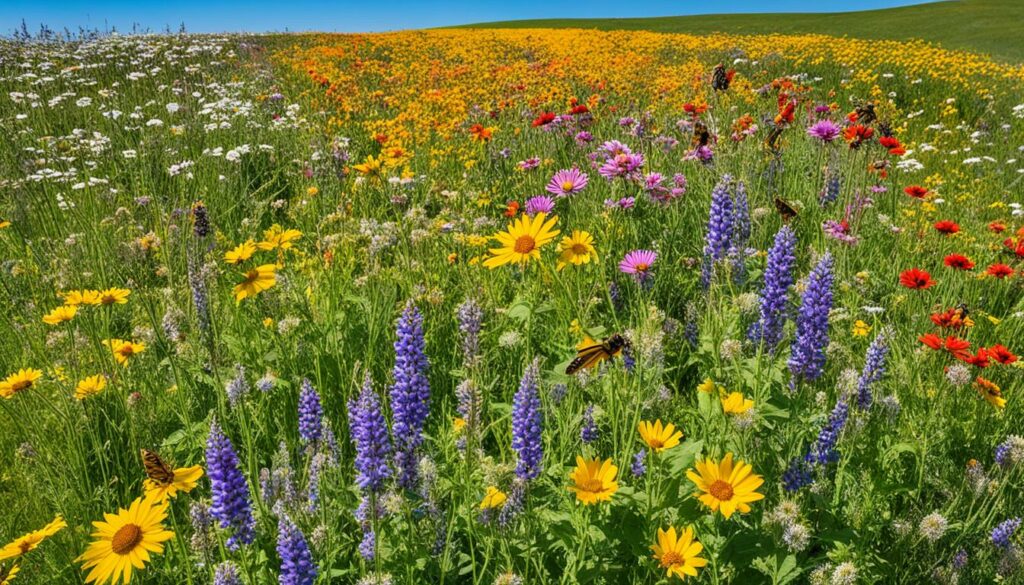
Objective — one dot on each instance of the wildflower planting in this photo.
(510, 306)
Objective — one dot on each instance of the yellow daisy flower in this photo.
(7, 575)
(678, 553)
(19, 381)
(28, 542)
(861, 329)
(124, 541)
(722, 486)
(593, 480)
(278, 237)
(241, 253)
(90, 386)
(256, 281)
(735, 403)
(522, 241)
(60, 315)
(990, 391)
(123, 350)
(183, 479)
(659, 437)
(576, 250)
(110, 296)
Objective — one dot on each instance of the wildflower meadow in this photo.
(509, 307)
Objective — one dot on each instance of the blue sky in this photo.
(368, 15)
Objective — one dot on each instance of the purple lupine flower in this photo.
(960, 560)
(778, 277)
(639, 467)
(874, 368)
(310, 413)
(588, 432)
(277, 484)
(691, 331)
(470, 316)
(369, 432)
(469, 407)
(797, 475)
(720, 229)
(514, 504)
(807, 355)
(226, 573)
(824, 450)
(297, 567)
(316, 467)
(740, 233)
(410, 396)
(368, 545)
(832, 187)
(527, 424)
(1002, 535)
(539, 204)
(229, 489)
(237, 387)
(824, 130)
(202, 541)
(558, 392)
(567, 182)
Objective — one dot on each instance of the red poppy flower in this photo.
(916, 191)
(999, 270)
(958, 348)
(1016, 247)
(931, 340)
(979, 360)
(580, 109)
(959, 262)
(543, 120)
(858, 134)
(894, 146)
(1001, 354)
(916, 278)
(997, 227)
(947, 227)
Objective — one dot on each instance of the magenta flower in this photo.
(539, 204)
(824, 130)
(621, 165)
(529, 164)
(567, 182)
(638, 263)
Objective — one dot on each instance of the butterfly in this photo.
(589, 353)
(785, 210)
(720, 78)
(701, 135)
(772, 139)
(866, 113)
(962, 308)
(157, 469)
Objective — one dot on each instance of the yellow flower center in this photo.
(671, 558)
(642, 267)
(126, 539)
(525, 245)
(593, 485)
(567, 186)
(721, 490)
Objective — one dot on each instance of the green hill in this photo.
(995, 27)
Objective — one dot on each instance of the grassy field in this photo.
(987, 26)
(321, 309)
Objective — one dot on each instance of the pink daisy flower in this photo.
(638, 263)
(567, 182)
(539, 204)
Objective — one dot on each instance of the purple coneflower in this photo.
(539, 204)
(638, 263)
(567, 182)
(824, 130)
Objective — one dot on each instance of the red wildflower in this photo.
(695, 109)
(916, 191)
(979, 360)
(951, 319)
(580, 109)
(1016, 247)
(931, 340)
(858, 134)
(916, 278)
(959, 262)
(785, 115)
(512, 208)
(543, 120)
(1001, 354)
(893, 144)
(958, 348)
(999, 270)
(947, 227)
(997, 227)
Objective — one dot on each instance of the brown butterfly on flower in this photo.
(589, 353)
(163, 481)
(721, 78)
(701, 134)
(785, 210)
